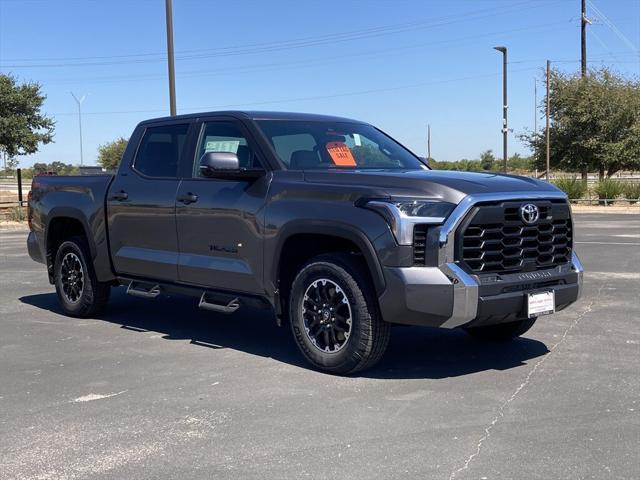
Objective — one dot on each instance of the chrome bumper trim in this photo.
(465, 296)
(576, 264)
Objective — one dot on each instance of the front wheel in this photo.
(502, 331)
(334, 315)
(79, 292)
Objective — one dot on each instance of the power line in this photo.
(317, 97)
(299, 99)
(313, 62)
(282, 66)
(605, 46)
(615, 29)
(291, 44)
(378, 29)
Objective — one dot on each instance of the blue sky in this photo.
(399, 64)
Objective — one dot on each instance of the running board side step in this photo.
(137, 289)
(230, 307)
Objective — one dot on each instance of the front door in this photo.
(220, 221)
(141, 206)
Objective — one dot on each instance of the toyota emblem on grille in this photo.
(529, 213)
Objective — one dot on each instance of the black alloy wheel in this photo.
(327, 315)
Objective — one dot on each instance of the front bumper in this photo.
(448, 296)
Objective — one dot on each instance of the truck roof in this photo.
(258, 115)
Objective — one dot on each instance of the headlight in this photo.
(402, 215)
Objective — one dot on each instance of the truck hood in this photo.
(447, 185)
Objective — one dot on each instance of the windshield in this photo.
(329, 145)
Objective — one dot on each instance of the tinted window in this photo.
(322, 145)
(285, 145)
(225, 137)
(160, 150)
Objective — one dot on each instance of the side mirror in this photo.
(211, 162)
(225, 165)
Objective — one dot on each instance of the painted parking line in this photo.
(613, 275)
(609, 243)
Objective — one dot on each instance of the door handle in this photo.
(120, 196)
(188, 198)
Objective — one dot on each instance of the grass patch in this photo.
(572, 186)
(608, 188)
(17, 214)
(631, 191)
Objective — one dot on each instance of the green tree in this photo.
(518, 162)
(59, 168)
(487, 160)
(595, 124)
(40, 168)
(22, 126)
(110, 153)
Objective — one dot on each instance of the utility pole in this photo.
(548, 111)
(583, 38)
(428, 143)
(535, 113)
(170, 64)
(584, 21)
(79, 102)
(535, 104)
(505, 128)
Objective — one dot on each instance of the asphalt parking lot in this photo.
(159, 389)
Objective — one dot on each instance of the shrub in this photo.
(17, 214)
(573, 187)
(608, 188)
(631, 191)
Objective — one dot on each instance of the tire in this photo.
(341, 283)
(79, 292)
(502, 331)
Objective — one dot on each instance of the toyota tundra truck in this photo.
(331, 224)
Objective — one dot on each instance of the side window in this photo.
(160, 150)
(224, 137)
(287, 145)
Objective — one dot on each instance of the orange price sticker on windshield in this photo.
(340, 154)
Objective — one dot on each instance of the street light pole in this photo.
(547, 134)
(428, 143)
(172, 75)
(79, 102)
(505, 129)
(535, 105)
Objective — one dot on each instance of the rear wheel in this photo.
(334, 315)
(79, 292)
(502, 331)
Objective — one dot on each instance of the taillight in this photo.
(29, 216)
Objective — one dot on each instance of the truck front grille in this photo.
(495, 239)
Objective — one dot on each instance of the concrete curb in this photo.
(14, 227)
(625, 209)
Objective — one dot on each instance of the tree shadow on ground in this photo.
(414, 352)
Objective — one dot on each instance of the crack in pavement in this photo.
(501, 410)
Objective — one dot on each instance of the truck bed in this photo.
(77, 198)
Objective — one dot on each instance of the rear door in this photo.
(220, 221)
(141, 205)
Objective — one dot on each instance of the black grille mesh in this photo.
(496, 240)
(419, 244)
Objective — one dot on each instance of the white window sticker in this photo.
(222, 146)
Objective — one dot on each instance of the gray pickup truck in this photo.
(330, 223)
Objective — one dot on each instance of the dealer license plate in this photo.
(542, 303)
